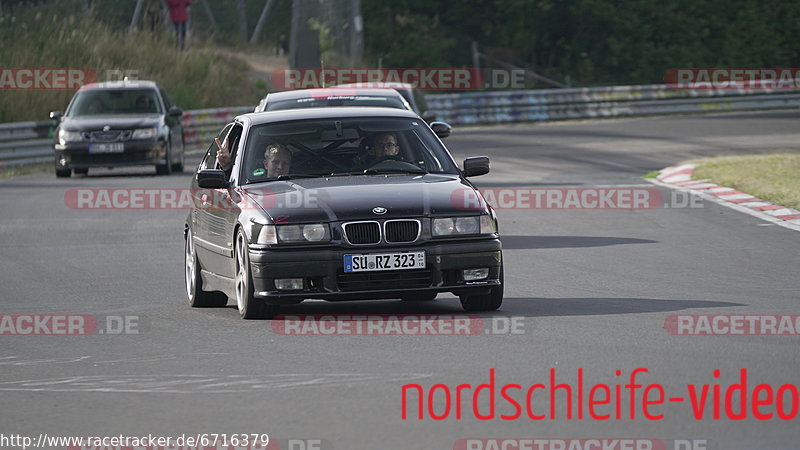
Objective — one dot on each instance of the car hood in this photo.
(354, 197)
(87, 123)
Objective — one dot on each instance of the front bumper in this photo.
(136, 153)
(323, 274)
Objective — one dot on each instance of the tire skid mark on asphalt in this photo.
(207, 384)
(14, 361)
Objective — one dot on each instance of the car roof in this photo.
(344, 112)
(331, 92)
(378, 85)
(125, 84)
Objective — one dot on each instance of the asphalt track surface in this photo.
(592, 288)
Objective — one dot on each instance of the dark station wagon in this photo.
(338, 204)
(116, 124)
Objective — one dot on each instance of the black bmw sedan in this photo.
(337, 204)
(113, 124)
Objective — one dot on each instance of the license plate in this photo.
(384, 261)
(116, 147)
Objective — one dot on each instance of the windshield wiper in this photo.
(394, 170)
(344, 174)
(299, 175)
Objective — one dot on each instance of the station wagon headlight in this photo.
(447, 226)
(65, 136)
(450, 226)
(467, 225)
(315, 232)
(145, 133)
(488, 225)
(267, 235)
(443, 227)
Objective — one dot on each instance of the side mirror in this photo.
(175, 112)
(55, 115)
(475, 166)
(441, 129)
(212, 179)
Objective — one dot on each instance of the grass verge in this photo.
(36, 37)
(25, 169)
(774, 177)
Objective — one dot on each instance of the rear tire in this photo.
(198, 298)
(63, 173)
(249, 307)
(487, 302)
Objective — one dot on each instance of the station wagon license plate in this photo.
(384, 261)
(116, 147)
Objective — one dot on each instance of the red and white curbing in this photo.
(679, 177)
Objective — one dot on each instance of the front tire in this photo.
(165, 169)
(198, 298)
(487, 302)
(63, 173)
(249, 307)
(178, 166)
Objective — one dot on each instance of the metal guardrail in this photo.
(201, 126)
(493, 107)
(32, 142)
(27, 142)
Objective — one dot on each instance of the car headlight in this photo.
(145, 133)
(65, 136)
(267, 235)
(448, 226)
(315, 232)
(488, 225)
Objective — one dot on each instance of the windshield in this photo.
(337, 100)
(342, 147)
(114, 101)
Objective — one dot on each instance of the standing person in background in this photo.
(179, 15)
(153, 16)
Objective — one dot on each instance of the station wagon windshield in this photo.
(344, 146)
(338, 100)
(95, 102)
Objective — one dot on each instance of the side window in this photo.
(234, 138)
(167, 99)
(210, 160)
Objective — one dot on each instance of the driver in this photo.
(386, 147)
(143, 104)
(377, 148)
